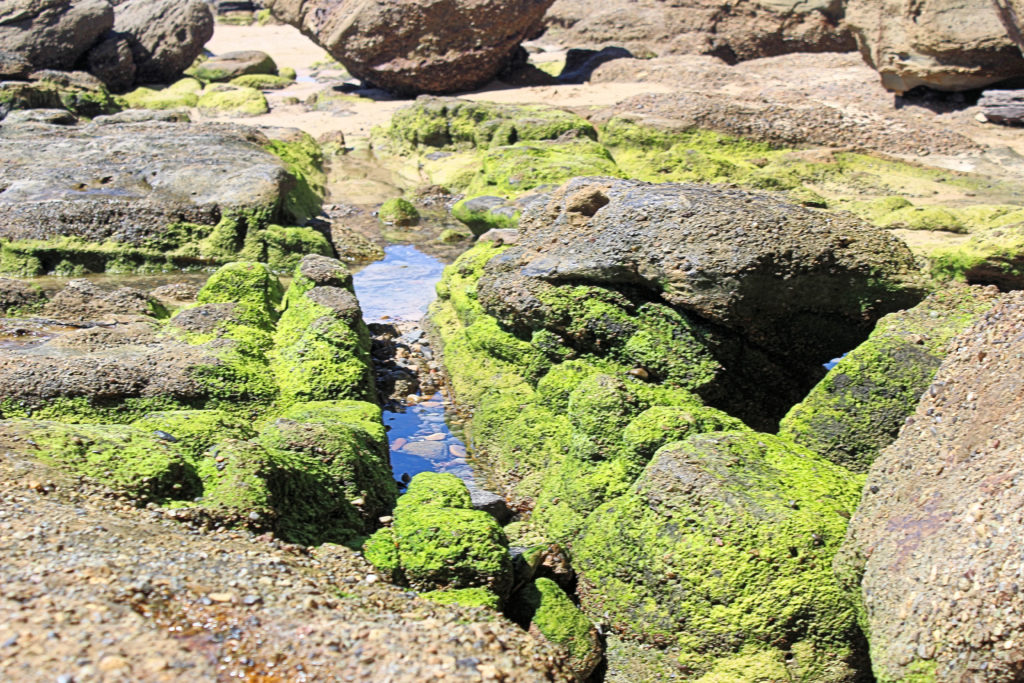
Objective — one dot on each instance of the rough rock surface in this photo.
(733, 31)
(1003, 106)
(933, 550)
(165, 35)
(946, 44)
(793, 282)
(420, 46)
(127, 182)
(15, 295)
(113, 63)
(178, 604)
(81, 300)
(53, 34)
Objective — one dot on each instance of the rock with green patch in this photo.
(398, 211)
(262, 81)
(488, 212)
(467, 597)
(232, 101)
(193, 431)
(723, 550)
(209, 193)
(990, 257)
(330, 478)
(439, 541)
(19, 298)
(83, 97)
(544, 609)
(181, 94)
(859, 407)
(449, 122)
(514, 169)
(231, 65)
(130, 461)
(322, 346)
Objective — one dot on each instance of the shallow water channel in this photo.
(399, 289)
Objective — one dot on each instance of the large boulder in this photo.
(157, 189)
(420, 46)
(933, 552)
(735, 30)
(946, 45)
(165, 35)
(722, 551)
(761, 286)
(53, 34)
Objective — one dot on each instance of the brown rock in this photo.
(933, 550)
(944, 44)
(417, 46)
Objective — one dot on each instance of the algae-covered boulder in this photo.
(439, 541)
(722, 552)
(398, 211)
(228, 100)
(933, 551)
(193, 431)
(230, 65)
(450, 122)
(322, 346)
(142, 466)
(330, 478)
(76, 92)
(252, 287)
(544, 609)
(859, 407)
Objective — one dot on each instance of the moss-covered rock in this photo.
(262, 81)
(304, 160)
(398, 211)
(467, 597)
(321, 345)
(232, 101)
(448, 122)
(59, 90)
(859, 407)
(251, 286)
(439, 541)
(989, 257)
(193, 431)
(481, 214)
(182, 94)
(514, 169)
(723, 548)
(330, 477)
(544, 608)
(128, 460)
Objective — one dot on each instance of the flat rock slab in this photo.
(1003, 106)
(128, 182)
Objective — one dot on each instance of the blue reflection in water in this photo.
(400, 288)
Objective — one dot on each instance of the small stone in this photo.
(435, 437)
(371, 579)
(112, 663)
(222, 597)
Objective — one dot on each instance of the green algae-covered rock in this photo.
(303, 158)
(467, 597)
(262, 81)
(331, 478)
(182, 94)
(236, 476)
(441, 122)
(990, 257)
(488, 212)
(514, 169)
(128, 460)
(252, 286)
(322, 346)
(398, 211)
(193, 431)
(859, 407)
(544, 608)
(439, 541)
(723, 550)
(232, 101)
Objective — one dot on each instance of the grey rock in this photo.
(325, 271)
(14, 66)
(127, 182)
(229, 65)
(1003, 106)
(166, 36)
(492, 504)
(53, 34)
(57, 117)
(16, 295)
(113, 63)
(419, 46)
(144, 116)
(500, 235)
(579, 63)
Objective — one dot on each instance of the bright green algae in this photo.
(541, 604)
(260, 456)
(723, 550)
(859, 407)
(398, 211)
(439, 541)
